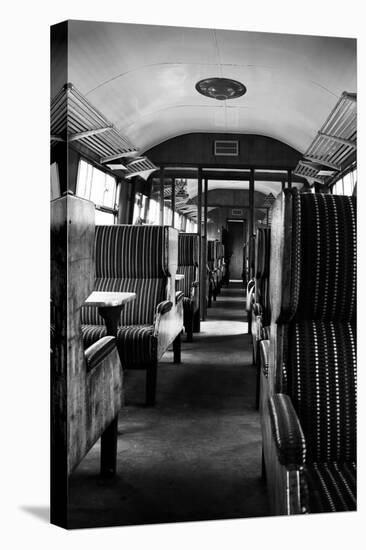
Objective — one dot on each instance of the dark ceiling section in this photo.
(197, 149)
(233, 198)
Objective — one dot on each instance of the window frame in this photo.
(100, 207)
(352, 174)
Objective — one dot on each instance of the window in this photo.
(178, 221)
(153, 213)
(143, 207)
(136, 208)
(191, 227)
(100, 188)
(346, 184)
(168, 215)
(55, 181)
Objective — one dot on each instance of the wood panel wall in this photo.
(197, 149)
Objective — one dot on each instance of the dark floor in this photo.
(196, 454)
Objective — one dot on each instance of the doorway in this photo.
(235, 238)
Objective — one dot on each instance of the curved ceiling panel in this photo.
(143, 79)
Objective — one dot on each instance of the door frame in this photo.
(243, 221)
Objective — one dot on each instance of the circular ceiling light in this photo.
(220, 88)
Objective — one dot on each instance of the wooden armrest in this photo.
(264, 356)
(98, 351)
(179, 295)
(286, 431)
(164, 307)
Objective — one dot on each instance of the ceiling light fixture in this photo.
(220, 88)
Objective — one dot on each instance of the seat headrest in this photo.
(313, 257)
(188, 244)
(130, 251)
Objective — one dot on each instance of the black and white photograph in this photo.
(203, 274)
(182, 275)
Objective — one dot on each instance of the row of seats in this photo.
(216, 269)
(308, 356)
(188, 256)
(257, 300)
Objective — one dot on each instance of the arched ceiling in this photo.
(142, 78)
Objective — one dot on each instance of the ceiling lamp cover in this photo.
(220, 88)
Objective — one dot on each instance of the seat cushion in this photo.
(136, 344)
(331, 487)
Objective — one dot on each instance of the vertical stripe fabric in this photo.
(130, 259)
(325, 257)
(321, 357)
(322, 385)
(129, 251)
(332, 487)
(188, 249)
(149, 293)
(262, 253)
(187, 261)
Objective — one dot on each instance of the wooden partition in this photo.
(85, 400)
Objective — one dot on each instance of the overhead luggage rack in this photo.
(140, 166)
(334, 145)
(73, 118)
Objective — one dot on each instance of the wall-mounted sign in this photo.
(237, 212)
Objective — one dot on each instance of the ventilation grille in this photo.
(225, 148)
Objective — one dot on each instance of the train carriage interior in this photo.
(203, 274)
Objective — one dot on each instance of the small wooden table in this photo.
(110, 305)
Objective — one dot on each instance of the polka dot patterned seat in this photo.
(316, 321)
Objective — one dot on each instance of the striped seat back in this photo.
(132, 259)
(262, 256)
(321, 308)
(313, 257)
(322, 385)
(324, 266)
(188, 247)
(211, 254)
(190, 273)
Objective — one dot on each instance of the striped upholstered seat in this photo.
(331, 487)
(315, 325)
(260, 310)
(188, 266)
(212, 271)
(140, 259)
(135, 342)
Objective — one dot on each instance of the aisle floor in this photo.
(196, 455)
